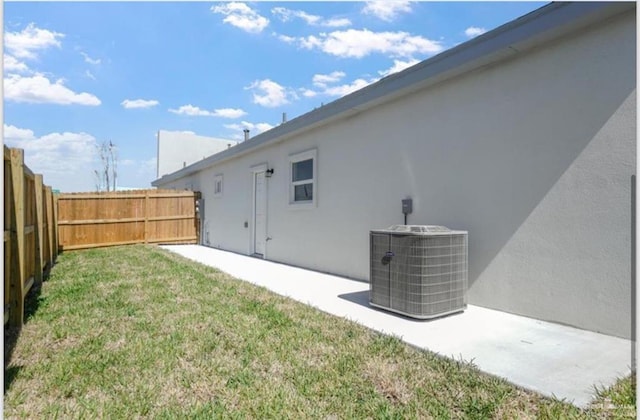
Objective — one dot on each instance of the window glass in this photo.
(217, 186)
(303, 192)
(302, 179)
(302, 170)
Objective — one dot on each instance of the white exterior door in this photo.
(259, 213)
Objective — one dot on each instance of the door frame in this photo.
(256, 169)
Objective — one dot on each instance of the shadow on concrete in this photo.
(362, 298)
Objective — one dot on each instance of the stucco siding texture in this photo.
(533, 156)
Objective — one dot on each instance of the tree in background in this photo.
(106, 176)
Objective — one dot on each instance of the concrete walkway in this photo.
(552, 359)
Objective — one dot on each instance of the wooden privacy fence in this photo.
(30, 233)
(91, 220)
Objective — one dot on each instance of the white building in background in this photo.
(178, 149)
(525, 137)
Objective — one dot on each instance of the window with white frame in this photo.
(217, 185)
(303, 175)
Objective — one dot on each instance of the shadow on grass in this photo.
(32, 302)
(10, 375)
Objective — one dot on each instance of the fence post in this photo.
(146, 216)
(49, 207)
(16, 316)
(38, 230)
(8, 229)
(56, 234)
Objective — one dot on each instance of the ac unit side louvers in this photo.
(418, 271)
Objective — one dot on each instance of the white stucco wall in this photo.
(177, 149)
(533, 156)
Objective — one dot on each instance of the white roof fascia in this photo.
(540, 26)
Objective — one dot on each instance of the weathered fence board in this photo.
(28, 219)
(90, 220)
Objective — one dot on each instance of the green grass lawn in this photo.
(136, 331)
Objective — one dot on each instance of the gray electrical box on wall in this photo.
(407, 206)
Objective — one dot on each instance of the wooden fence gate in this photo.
(91, 220)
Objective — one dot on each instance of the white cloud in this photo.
(398, 65)
(39, 89)
(285, 38)
(269, 93)
(321, 80)
(17, 134)
(359, 43)
(190, 110)
(229, 113)
(473, 31)
(241, 16)
(308, 93)
(336, 22)
(90, 60)
(26, 43)
(287, 14)
(346, 89)
(326, 84)
(138, 103)
(311, 41)
(66, 160)
(11, 64)
(194, 111)
(387, 10)
(254, 128)
(54, 152)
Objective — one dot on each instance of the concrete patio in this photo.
(552, 359)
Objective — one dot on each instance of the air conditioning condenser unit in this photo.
(418, 271)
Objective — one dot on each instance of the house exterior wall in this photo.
(177, 149)
(533, 156)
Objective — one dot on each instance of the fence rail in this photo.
(91, 220)
(30, 233)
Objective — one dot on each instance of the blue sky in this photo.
(77, 74)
